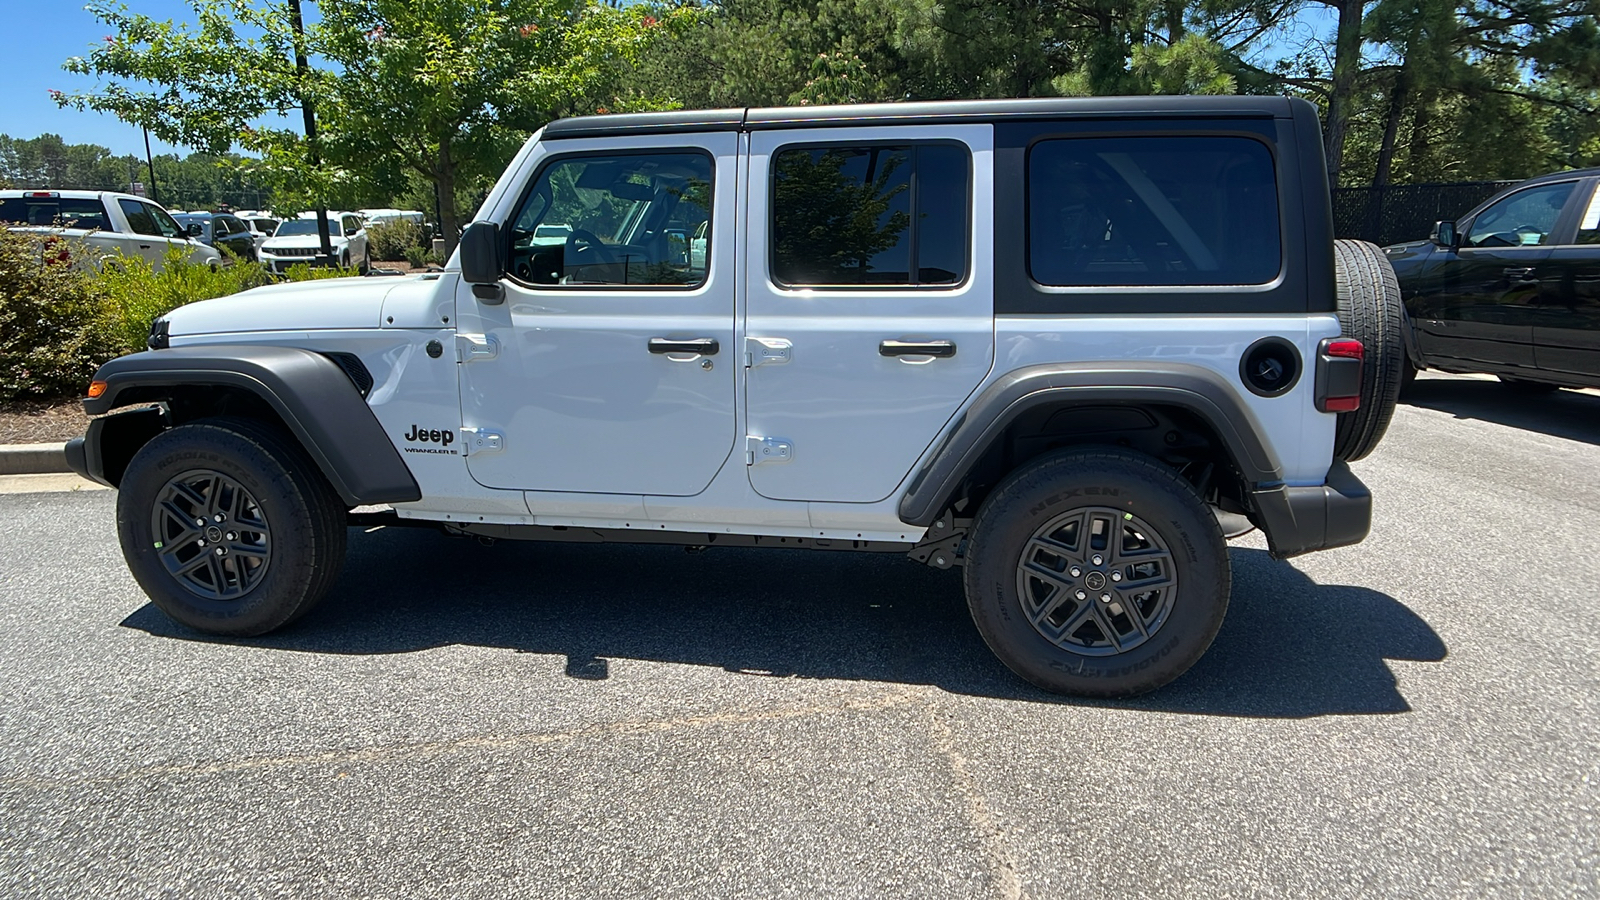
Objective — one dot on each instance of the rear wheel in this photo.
(1099, 573)
(1370, 310)
(229, 527)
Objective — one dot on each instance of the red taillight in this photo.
(1341, 404)
(1339, 364)
(1347, 348)
(43, 195)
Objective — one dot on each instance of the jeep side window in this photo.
(614, 220)
(1199, 210)
(870, 215)
(1523, 219)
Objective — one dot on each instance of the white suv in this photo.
(1068, 346)
(296, 241)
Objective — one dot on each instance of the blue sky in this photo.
(44, 33)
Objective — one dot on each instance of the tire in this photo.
(1408, 379)
(1370, 311)
(1061, 497)
(283, 533)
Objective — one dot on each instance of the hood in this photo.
(302, 306)
(1409, 257)
(310, 241)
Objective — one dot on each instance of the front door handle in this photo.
(701, 346)
(940, 349)
(1515, 273)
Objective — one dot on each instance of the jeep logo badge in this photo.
(435, 435)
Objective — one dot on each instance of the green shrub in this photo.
(53, 334)
(393, 241)
(60, 319)
(133, 294)
(421, 257)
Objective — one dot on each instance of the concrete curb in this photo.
(32, 459)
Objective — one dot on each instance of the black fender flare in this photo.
(313, 396)
(1187, 386)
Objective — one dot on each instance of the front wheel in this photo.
(1099, 573)
(229, 527)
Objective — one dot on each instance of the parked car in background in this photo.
(1512, 288)
(222, 231)
(296, 241)
(386, 216)
(108, 224)
(261, 226)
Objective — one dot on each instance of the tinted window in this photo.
(60, 212)
(870, 215)
(621, 219)
(139, 218)
(1523, 219)
(1152, 211)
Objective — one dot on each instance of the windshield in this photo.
(305, 226)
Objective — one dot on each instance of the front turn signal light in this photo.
(96, 388)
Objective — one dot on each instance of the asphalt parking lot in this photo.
(1417, 715)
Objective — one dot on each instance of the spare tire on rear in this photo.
(1370, 311)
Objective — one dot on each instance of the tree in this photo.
(441, 88)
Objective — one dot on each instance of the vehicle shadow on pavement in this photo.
(1565, 414)
(1289, 648)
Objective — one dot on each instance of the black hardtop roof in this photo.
(919, 113)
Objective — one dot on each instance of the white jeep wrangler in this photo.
(1066, 345)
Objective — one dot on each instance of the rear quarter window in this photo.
(1152, 210)
(61, 212)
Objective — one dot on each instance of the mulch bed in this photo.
(41, 422)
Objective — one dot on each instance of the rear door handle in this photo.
(1518, 274)
(940, 349)
(701, 346)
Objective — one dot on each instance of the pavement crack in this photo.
(433, 749)
(991, 836)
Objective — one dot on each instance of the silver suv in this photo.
(1067, 346)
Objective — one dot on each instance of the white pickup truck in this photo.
(108, 223)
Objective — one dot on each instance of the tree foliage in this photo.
(444, 89)
(439, 92)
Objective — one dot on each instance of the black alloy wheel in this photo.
(1097, 572)
(211, 534)
(1096, 581)
(229, 526)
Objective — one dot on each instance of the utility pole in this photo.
(151, 161)
(302, 68)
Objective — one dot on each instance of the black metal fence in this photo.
(1404, 212)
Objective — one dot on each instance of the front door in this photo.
(870, 312)
(609, 367)
(1566, 332)
(1479, 305)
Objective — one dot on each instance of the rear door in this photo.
(870, 318)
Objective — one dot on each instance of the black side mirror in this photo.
(480, 261)
(195, 230)
(1444, 234)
